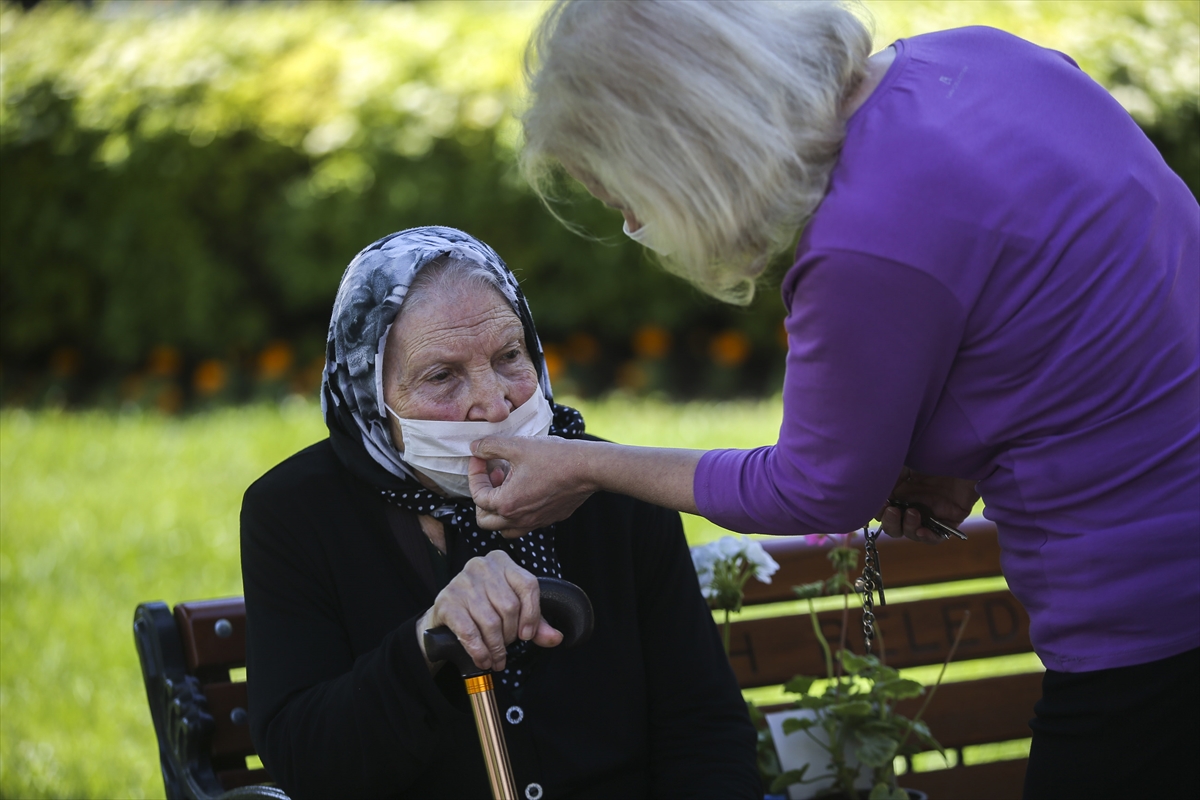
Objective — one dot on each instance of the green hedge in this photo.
(183, 184)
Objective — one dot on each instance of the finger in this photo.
(528, 594)
(490, 626)
(491, 521)
(514, 533)
(546, 635)
(479, 482)
(891, 523)
(497, 470)
(459, 620)
(505, 585)
(493, 447)
(913, 529)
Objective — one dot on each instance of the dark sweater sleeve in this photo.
(702, 743)
(325, 722)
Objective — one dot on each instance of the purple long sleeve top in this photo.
(1002, 284)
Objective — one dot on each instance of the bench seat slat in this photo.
(765, 652)
(903, 563)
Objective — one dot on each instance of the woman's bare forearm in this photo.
(660, 475)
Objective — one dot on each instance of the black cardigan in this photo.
(342, 703)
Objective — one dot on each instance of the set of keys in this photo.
(872, 580)
(927, 521)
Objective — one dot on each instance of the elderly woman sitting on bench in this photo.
(354, 546)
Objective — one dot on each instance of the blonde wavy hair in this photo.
(716, 122)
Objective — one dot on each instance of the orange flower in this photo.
(729, 348)
(555, 364)
(783, 336)
(64, 362)
(275, 361)
(582, 348)
(210, 377)
(651, 341)
(164, 361)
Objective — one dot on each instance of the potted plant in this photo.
(849, 716)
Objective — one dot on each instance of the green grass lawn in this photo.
(100, 511)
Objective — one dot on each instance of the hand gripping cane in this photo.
(564, 606)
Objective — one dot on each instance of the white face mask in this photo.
(441, 451)
(645, 237)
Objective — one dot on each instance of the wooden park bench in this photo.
(769, 651)
(200, 717)
(199, 710)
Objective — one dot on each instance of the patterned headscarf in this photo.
(368, 301)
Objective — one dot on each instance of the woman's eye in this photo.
(512, 355)
(439, 376)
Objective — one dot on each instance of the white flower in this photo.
(764, 565)
(729, 550)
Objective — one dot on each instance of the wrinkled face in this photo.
(457, 355)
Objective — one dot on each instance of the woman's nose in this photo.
(489, 400)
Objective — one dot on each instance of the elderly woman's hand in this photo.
(950, 500)
(528, 482)
(488, 605)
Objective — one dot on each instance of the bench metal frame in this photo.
(202, 741)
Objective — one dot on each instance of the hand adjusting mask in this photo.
(441, 451)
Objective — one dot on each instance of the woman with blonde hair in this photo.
(994, 293)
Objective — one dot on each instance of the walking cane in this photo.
(565, 606)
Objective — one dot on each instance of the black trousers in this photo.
(1130, 732)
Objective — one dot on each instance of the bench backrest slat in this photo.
(980, 711)
(765, 652)
(208, 643)
(903, 563)
(227, 705)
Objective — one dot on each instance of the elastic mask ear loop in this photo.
(399, 422)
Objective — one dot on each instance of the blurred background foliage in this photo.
(184, 183)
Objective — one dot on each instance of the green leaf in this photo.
(899, 689)
(843, 559)
(807, 590)
(799, 684)
(881, 791)
(816, 703)
(788, 778)
(854, 663)
(853, 708)
(874, 750)
(793, 724)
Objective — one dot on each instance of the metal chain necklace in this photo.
(870, 582)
